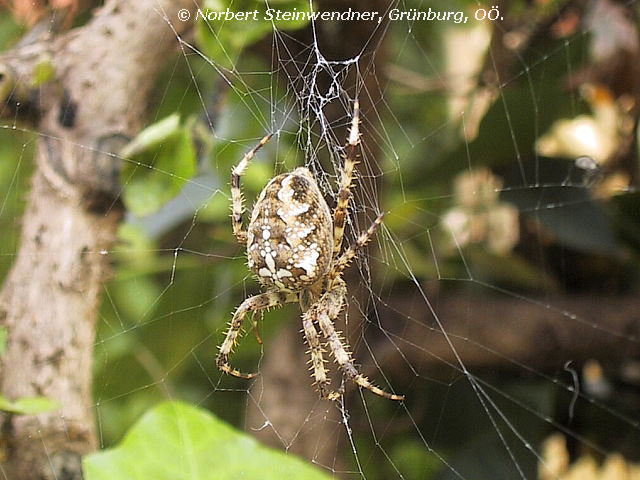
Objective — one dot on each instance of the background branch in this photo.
(508, 332)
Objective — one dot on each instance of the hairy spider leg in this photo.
(343, 260)
(346, 179)
(237, 200)
(317, 359)
(325, 312)
(252, 304)
(255, 327)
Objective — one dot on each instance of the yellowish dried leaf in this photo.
(615, 468)
(555, 458)
(476, 188)
(594, 135)
(465, 49)
(613, 184)
(585, 468)
(503, 230)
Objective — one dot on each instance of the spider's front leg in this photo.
(343, 260)
(237, 202)
(259, 302)
(325, 311)
(346, 179)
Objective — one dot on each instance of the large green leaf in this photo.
(176, 441)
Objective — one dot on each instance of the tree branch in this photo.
(104, 72)
(509, 332)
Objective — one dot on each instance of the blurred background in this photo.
(500, 296)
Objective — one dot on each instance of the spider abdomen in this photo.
(290, 235)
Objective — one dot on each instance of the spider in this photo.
(294, 247)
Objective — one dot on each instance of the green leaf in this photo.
(223, 36)
(176, 441)
(152, 136)
(43, 72)
(32, 405)
(157, 171)
(5, 405)
(28, 405)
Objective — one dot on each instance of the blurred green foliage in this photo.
(171, 297)
(224, 39)
(16, 151)
(159, 161)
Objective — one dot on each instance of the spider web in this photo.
(421, 318)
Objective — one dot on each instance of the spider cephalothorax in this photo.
(294, 248)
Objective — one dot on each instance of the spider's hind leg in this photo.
(321, 381)
(327, 310)
(257, 303)
(237, 202)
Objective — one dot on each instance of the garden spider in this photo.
(294, 247)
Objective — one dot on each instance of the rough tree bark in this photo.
(104, 72)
